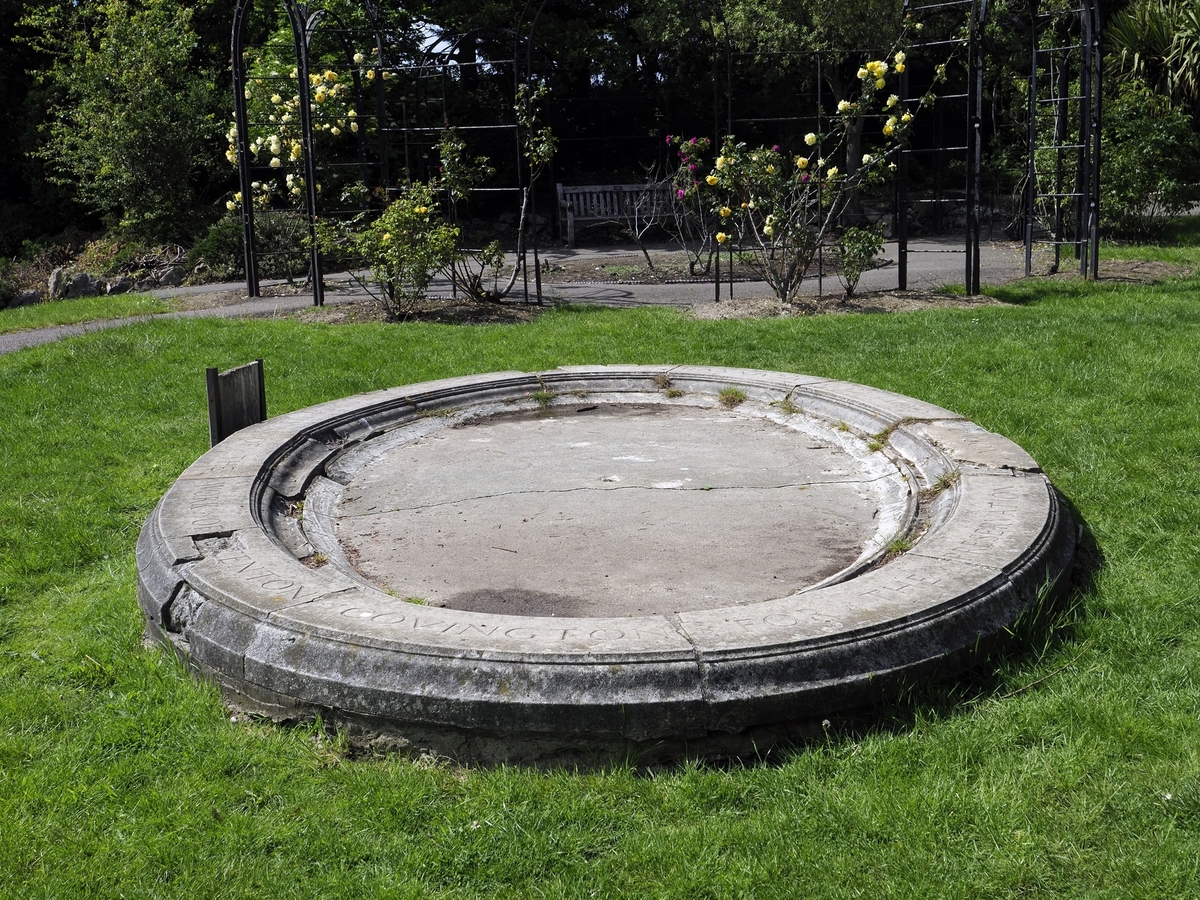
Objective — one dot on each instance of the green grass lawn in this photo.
(1070, 768)
(82, 309)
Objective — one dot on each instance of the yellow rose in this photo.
(725, 212)
(722, 237)
(801, 162)
(810, 139)
(711, 180)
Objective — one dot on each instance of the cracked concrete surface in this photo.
(619, 511)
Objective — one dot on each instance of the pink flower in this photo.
(691, 167)
(804, 177)
(668, 140)
(775, 149)
(681, 193)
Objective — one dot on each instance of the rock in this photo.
(21, 298)
(57, 286)
(171, 276)
(120, 285)
(82, 284)
(509, 218)
(146, 284)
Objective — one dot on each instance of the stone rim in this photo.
(220, 579)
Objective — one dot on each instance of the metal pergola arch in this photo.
(1075, 212)
(1064, 132)
(969, 146)
(305, 19)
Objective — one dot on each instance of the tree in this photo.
(134, 119)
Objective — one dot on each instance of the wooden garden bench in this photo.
(593, 204)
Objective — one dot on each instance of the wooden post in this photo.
(236, 399)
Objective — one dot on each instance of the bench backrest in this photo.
(615, 201)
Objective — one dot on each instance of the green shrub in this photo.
(857, 249)
(1148, 159)
(281, 243)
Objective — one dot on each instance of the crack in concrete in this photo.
(623, 487)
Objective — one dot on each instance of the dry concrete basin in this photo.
(596, 563)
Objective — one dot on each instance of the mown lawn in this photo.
(1068, 769)
(82, 309)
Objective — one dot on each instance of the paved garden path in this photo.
(933, 263)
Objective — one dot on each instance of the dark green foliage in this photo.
(1149, 171)
(133, 122)
(282, 241)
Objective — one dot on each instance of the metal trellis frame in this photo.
(1062, 192)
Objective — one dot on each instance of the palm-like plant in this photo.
(1157, 43)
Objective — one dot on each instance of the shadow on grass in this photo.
(1047, 626)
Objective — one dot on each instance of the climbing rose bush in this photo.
(780, 208)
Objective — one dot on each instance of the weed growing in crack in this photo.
(543, 398)
(730, 397)
(786, 406)
(944, 482)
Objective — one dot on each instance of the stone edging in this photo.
(221, 579)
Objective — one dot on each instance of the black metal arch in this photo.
(964, 144)
(1062, 193)
(1063, 183)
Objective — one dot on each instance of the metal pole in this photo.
(901, 191)
(1031, 185)
(242, 146)
(303, 24)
